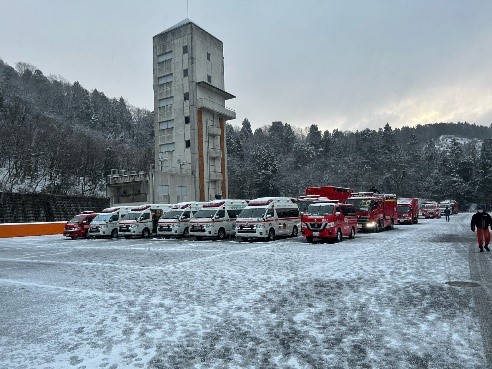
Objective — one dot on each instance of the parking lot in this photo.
(396, 299)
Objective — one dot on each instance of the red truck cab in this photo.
(329, 221)
(375, 212)
(78, 226)
(408, 210)
(431, 210)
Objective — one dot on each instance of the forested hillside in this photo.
(435, 161)
(59, 138)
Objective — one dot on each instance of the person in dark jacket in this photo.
(481, 221)
(447, 212)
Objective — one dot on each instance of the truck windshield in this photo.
(303, 205)
(77, 219)
(252, 213)
(320, 209)
(172, 214)
(132, 216)
(102, 217)
(430, 206)
(205, 213)
(361, 204)
(403, 208)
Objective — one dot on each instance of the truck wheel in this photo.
(271, 235)
(221, 235)
(309, 239)
(380, 226)
(186, 232)
(198, 238)
(114, 233)
(145, 233)
(295, 231)
(352, 233)
(74, 237)
(339, 236)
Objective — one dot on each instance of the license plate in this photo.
(315, 234)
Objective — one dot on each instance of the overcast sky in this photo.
(338, 64)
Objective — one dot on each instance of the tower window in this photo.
(182, 191)
(208, 56)
(186, 96)
(187, 120)
(163, 190)
(185, 72)
(187, 144)
(209, 78)
(185, 49)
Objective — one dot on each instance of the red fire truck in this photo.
(329, 221)
(375, 212)
(430, 210)
(408, 210)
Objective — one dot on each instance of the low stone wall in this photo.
(36, 207)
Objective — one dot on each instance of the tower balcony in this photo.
(213, 131)
(214, 153)
(215, 176)
(212, 106)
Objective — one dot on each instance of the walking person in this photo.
(447, 212)
(481, 221)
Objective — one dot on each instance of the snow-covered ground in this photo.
(379, 301)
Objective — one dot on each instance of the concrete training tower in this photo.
(190, 116)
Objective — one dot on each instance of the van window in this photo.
(270, 213)
(288, 212)
(220, 214)
(233, 214)
(114, 218)
(145, 216)
(185, 215)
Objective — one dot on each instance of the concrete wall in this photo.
(23, 208)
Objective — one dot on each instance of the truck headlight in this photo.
(133, 226)
(330, 224)
(371, 224)
(209, 226)
(260, 226)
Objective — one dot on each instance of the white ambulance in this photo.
(216, 219)
(105, 224)
(268, 218)
(142, 220)
(176, 221)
